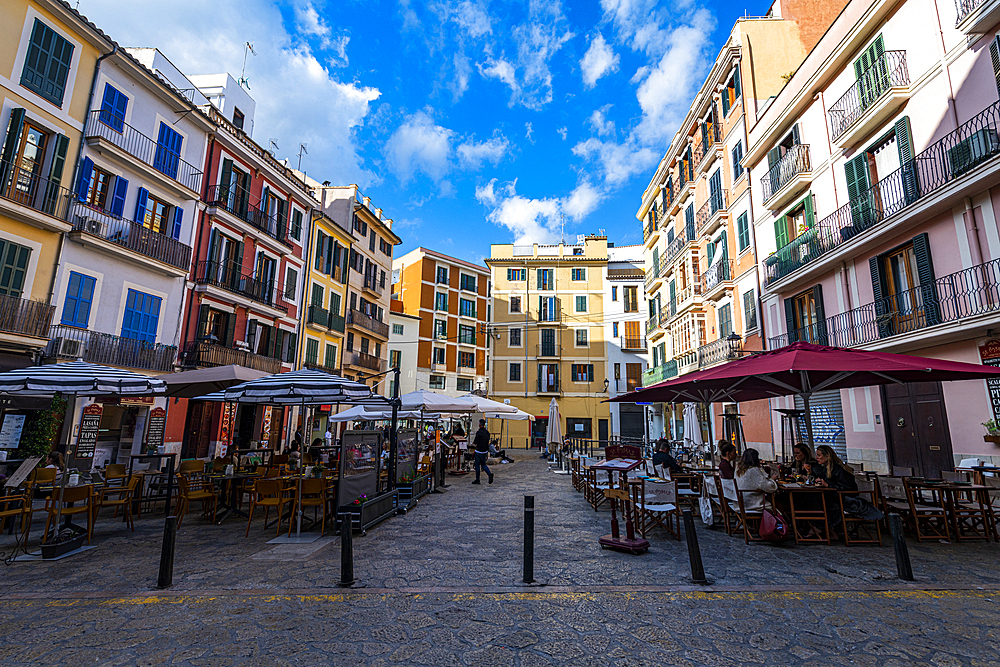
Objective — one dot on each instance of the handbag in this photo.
(705, 505)
(773, 526)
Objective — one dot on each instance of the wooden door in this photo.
(197, 430)
(917, 428)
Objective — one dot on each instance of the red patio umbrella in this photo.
(804, 368)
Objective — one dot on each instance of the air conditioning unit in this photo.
(971, 151)
(68, 347)
(92, 226)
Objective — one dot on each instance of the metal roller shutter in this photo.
(827, 419)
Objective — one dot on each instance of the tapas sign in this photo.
(86, 442)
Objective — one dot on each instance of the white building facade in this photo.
(625, 340)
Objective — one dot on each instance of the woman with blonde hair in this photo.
(832, 472)
(750, 476)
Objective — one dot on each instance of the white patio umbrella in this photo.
(431, 401)
(692, 426)
(487, 405)
(553, 433)
(367, 413)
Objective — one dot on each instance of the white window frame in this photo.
(520, 368)
(586, 331)
(520, 333)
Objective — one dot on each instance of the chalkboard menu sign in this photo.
(989, 352)
(154, 431)
(86, 443)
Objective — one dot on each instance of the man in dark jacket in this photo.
(482, 444)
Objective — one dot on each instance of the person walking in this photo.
(482, 444)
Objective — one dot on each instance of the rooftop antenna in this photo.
(272, 146)
(244, 81)
(302, 151)
(562, 228)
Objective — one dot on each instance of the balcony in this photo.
(625, 274)
(365, 360)
(668, 311)
(32, 199)
(230, 277)
(955, 155)
(675, 247)
(237, 203)
(465, 339)
(872, 100)
(719, 351)
(977, 17)
(963, 295)
(320, 367)
(318, 315)
(661, 373)
(652, 323)
(22, 317)
(787, 178)
(548, 350)
(203, 353)
(101, 348)
(718, 275)
(548, 384)
(110, 232)
(712, 212)
(159, 160)
(690, 295)
(372, 284)
(336, 323)
(368, 323)
(629, 344)
(550, 314)
(711, 144)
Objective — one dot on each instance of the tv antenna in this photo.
(272, 146)
(302, 151)
(247, 49)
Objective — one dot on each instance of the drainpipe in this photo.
(942, 52)
(818, 97)
(198, 236)
(972, 231)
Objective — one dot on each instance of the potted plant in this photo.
(992, 431)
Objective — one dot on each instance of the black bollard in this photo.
(346, 552)
(529, 539)
(694, 553)
(166, 577)
(899, 545)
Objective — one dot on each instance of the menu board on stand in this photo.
(86, 441)
(10, 431)
(154, 430)
(989, 352)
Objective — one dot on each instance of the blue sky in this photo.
(469, 122)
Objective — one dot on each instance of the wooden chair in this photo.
(893, 498)
(596, 481)
(195, 488)
(576, 476)
(972, 515)
(313, 494)
(191, 466)
(688, 490)
(82, 500)
(268, 493)
(15, 506)
(811, 516)
(655, 504)
(41, 480)
(749, 519)
(115, 474)
(279, 460)
(712, 485)
(993, 503)
(865, 531)
(929, 517)
(119, 496)
(902, 471)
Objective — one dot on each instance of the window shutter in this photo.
(52, 195)
(925, 273)
(858, 193)
(10, 144)
(704, 135)
(781, 232)
(710, 251)
(725, 102)
(820, 315)
(83, 183)
(230, 340)
(320, 244)
(203, 311)
(810, 213)
(282, 217)
(995, 59)
(878, 291)
(689, 222)
(790, 321)
(225, 185)
(140, 205)
(252, 334)
(737, 86)
(773, 157)
(293, 347)
(796, 139)
(539, 377)
(118, 199)
(904, 143)
(590, 372)
(178, 222)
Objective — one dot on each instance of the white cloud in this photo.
(535, 220)
(528, 132)
(599, 60)
(504, 71)
(309, 21)
(602, 125)
(582, 201)
(473, 155)
(485, 193)
(339, 46)
(617, 161)
(473, 18)
(323, 112)
(563, 131)
(463, 70)
(419, 145)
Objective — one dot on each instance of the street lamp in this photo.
(735, 342)
(606, 385)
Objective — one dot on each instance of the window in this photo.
(514, 337)
(334, 303)
(804, 318)
(97, 192)
(385, 247)
(579, 428)
(330, 359)
(442, 275)
(436, 382)
(437, 355)
(631, 299)
(349, 345)
(151, 212)
(548, 309)
(395, 358)
(548, 378)
(794, 223)
(168, 151)
(364, 345)
(515, 304)
(581, 304)
(317, 295)
(546, 279)
(238, 118)
(464, 384)
(312, 351)
(516, 275)
(618, 371)
(579, 274)
(467, 359)
(113, 108)
(743, 232)
(633, 376)
(467, 282)
(632, 339)
(725, 320)
(903, 286)
(296, 230)
(732, 92)
(578, 251)
(583, 372)
(441, 301)
(466, 334)
(79, 295)
(466, 308)
(291, 283)
(440, 329)
(614, 329)
(47, 63)
(142, 313)
(749, 311)
(514, 371)
(397, 329)
(581, 337)
(738, 160)
(614, 292)
(361, 227)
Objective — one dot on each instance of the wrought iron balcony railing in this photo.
(548, 350)
(718, 273)
(204, 353)
(717, 202)
(965, 7)
(320, 367)
(664, 371)
(360, 319)
(365, 360)
(794, 162)
(158, 156)
(652, 323)
(25, 317)
(952, 157)
(719, 351)
(27, 188)
(888, 71)
(101, 348)
(629, 343)
(318, 315)
(238, 202)
(710, 141)
(674, 247)
(130, 235)
(230, 277)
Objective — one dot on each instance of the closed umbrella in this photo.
(553, 433)
(692, 426)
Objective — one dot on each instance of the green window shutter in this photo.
(10, 144)
(820, 315)
(904, 143)
(995, 59)
(810, 213)
(790, 321)
(230, 340)
(737, 85)
(925, 273)
(781, 232)
(203, 312)
(710, 248)
(52, 191)
(743, 231)
(858, 192)
(225, 185)
(878, 291)
(320, 245)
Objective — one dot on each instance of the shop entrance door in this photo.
(245, 422)
(197, 430)
(916, 428)
(539, 428)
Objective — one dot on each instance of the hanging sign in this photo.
(989, 352)
(10, 432)
(154, 430)
(86, 442)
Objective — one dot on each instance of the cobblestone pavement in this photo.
(440, 585)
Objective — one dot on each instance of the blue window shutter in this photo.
(178, 221)
(70, 306)
(140, 205)
(142, 314)
(113, 108)
(83, 184)
(118, 199)
(168, 151)
(79, 296)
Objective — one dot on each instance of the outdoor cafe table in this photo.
(630, 542)
(230, 505)
(810, 512)
(953, 505)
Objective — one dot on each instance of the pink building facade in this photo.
(874, 177)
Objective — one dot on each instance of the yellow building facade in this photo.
(548, 335)
(48, 54)
(322, 340)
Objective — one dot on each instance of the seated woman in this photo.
(728, 453)
(804, 461)
(55, 460)
(750, 476)
(832, 472)
(314, 450)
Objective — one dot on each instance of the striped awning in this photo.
(307, 386)
(81, 378)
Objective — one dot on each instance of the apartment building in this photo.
(369, 262)
(624, 315)
(872, 174)
(48, 64)
(549, 341)
(324, 330)
(404, 342)
(450, 296)
(702, 286)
